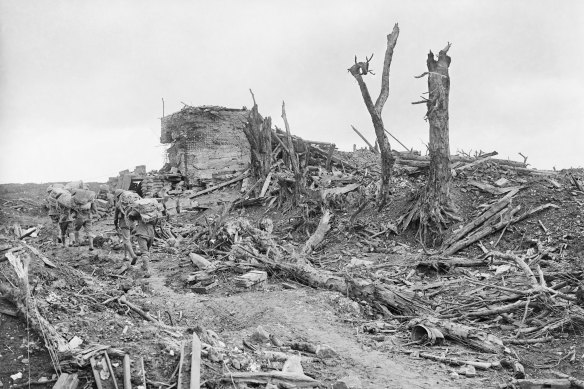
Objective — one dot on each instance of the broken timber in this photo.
(226, 183)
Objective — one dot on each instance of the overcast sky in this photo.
(81, 82)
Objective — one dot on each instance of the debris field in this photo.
(298, 279)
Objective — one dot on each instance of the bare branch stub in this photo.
(361, 68)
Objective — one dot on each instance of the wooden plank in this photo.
(127, 373)
(180, 365)
(226, 183)
(95, 371)
(67, 381)
(266, 185)
(196, 362)
(41, 256)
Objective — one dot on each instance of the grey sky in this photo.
(81, 82)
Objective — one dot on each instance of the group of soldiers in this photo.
(69, 218)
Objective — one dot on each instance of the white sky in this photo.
(81, 82)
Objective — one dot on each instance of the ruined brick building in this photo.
(208, 145)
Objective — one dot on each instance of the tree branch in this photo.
(354, 70)
(383, 95)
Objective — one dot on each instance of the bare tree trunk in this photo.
(358, 70)
(297, 169)
(438, 187)
(259, 135)
(434, 207)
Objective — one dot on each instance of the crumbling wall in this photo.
(208, 143)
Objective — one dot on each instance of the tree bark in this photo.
(358, 70)
(259, 135)
(295, 165)
(434, 207)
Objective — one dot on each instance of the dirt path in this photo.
(303, 314)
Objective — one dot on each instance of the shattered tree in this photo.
(358, 70)
(258, 131)
(434, 206)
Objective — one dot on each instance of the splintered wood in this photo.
(254, 277)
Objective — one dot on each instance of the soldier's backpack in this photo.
(65, 199)
(149, 209)
(70, 186)
(54, 186)
(81, 197)
(56, 192)
(127, 199)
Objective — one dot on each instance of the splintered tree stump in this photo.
(434, 207)
(258, 131)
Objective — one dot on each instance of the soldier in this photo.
(83, 220)
(123, 227)
(145, 233)
(65, 221)
(54, 211)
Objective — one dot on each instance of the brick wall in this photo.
(208, 143)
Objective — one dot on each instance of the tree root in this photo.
(430, 216)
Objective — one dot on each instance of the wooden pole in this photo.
(127, 373)
(196, 363)
(365, 140)
(111, 369)
(397, 140)
(143, 371)
(180, 365)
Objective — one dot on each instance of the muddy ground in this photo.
(71, 297)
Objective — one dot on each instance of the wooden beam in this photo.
(196, 363)
(226, 183)
(127, 373)
(365, 140)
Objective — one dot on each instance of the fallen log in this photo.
(469, 336)
(445, 264)
(458, 362)
(497, 310)
(492, 189)
(533, 383)
(493, 210)
(386, 297)
(576, 383)
(273, 377)
(471, 164)
(399, 301)
(508, 218)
